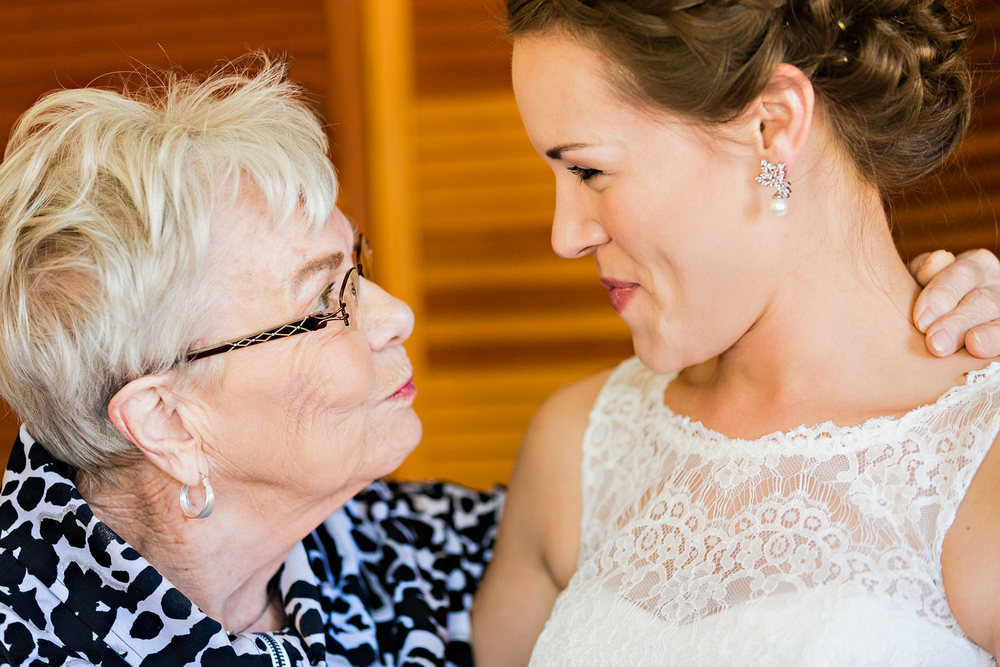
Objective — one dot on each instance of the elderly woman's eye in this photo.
(323, 302)
(583, 173)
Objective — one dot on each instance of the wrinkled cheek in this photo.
(327, 392)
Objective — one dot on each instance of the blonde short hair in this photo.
(107, 198)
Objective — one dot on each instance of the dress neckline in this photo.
(847, 436)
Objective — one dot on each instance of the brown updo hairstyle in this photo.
(890, 75)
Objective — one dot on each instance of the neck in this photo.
(835, 340)
(222, 563)
(844, 295)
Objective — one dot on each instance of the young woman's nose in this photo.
(576, 231)
(387, 320)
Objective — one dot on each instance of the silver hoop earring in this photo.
(189, 511)
(773, 176)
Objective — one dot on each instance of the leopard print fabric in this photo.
(386, 580)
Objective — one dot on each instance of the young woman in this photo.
(786, 474)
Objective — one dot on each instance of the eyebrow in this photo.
(326, 262)
(556, 152)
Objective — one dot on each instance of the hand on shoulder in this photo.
(960, 303)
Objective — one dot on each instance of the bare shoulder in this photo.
(558, 426)
(970, 559)
(536, 548)
(548, 470)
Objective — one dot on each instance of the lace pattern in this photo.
(692, 530)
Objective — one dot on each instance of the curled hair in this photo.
(107, 199)
(890, 75)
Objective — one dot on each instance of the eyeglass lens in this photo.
(363, 258)
(349, 292)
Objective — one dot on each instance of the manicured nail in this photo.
(937, 341)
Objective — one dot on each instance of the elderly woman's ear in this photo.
(148, 413)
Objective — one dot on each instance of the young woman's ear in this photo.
(783, 114)
(147, 413)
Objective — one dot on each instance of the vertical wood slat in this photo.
(345, 88)
(392, 220)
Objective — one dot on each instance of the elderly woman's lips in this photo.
(620, 292)
(408, 390)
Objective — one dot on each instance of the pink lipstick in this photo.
(407, 391)
(619, 292)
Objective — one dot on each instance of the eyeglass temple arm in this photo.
(306, 324)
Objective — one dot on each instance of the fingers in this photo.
(928, 264)
(984, 341)
(948, 280)
(964, 326)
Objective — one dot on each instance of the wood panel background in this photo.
(434, 163)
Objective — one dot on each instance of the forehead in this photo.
(554, 68)
(567, 98)
(563, 88)
(249, 247)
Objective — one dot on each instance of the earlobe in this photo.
(147, 414)
(785, 114)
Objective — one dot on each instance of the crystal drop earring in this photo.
(774, 176)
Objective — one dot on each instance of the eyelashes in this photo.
(583, 173)
(323, 303)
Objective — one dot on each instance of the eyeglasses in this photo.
(347, 310)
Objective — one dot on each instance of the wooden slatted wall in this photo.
(67, 43)
(506, 321)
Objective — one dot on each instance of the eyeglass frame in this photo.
(311, 322)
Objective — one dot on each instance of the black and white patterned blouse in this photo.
(386, 580)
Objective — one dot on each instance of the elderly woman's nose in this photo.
(388, 321)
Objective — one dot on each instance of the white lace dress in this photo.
(819, 546)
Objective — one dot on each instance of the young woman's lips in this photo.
(407, 391)
(620, 292)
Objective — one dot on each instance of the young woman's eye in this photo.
(583, 173)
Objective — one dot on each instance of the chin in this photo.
(657, 355)
(401, 441)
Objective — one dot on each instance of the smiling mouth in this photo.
(620, 292)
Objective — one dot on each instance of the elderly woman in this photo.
(208, 381)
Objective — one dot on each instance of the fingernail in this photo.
(937, 341)
(976, 339)
(925, 319)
